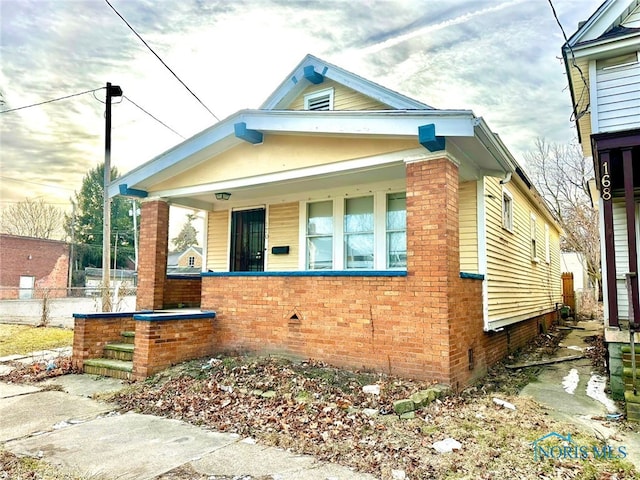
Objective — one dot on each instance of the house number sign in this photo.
(605, 181)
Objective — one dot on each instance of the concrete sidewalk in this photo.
(572, 392)
(58, 423)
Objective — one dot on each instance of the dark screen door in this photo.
(247, 241)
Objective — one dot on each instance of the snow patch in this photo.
(570, 382)
(595, 390)
(575, 347)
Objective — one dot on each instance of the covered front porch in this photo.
(617, 167)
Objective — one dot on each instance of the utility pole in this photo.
(72, 250)
(112, 91)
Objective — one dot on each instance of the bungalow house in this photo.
(349, 223)
(602, 63)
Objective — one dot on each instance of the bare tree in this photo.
(561, 174)
(32, 218)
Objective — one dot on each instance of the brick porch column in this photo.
(153, 248)
(433, 258)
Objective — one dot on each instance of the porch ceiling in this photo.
(353, 182)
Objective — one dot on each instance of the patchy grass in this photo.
(27, 468)
(22, 339)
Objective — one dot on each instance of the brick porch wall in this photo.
(163, 342)
(182, 291)
(91, 332)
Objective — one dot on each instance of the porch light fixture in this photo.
(223, 196)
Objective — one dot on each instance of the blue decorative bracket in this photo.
(428, 139)
(313, 76)
(131, 192)
(243, 133)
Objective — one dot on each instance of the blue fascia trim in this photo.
(131, 192)
(110, 314)
(312, 273)
(313, 76)
(177, 276)
(162, 317)
(472, 276)
(243, 133)
(428, 139)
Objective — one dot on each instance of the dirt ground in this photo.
(313, 408)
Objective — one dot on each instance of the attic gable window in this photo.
(319, 100)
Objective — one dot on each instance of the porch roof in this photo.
(469, 141)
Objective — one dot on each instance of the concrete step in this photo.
(119, 351)
(109, 367)
(128, 337)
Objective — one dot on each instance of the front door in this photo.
(247, 240)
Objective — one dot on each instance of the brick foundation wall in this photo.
(162, 343)
(182, 291)
(499, 344)
(91, 332)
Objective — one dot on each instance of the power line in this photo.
(156, 119)
(16, 202)
(35, 183)
(576, 115)
(162, 61)
(49, 101)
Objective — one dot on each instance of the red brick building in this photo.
(29, 266)
(349, 223)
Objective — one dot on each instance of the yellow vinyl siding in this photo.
(468, 227)
(281, 153)
(218, 241)
(344, 98)
(581, 95)
(283, 230)
(519, 287)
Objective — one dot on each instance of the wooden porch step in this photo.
(109, 367)
(119, 351)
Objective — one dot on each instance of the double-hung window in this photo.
(358, 232)
(396, 230)
(350, 233)
(320, 235)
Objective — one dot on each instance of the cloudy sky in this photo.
(499, 58)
